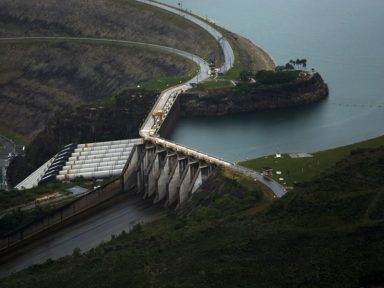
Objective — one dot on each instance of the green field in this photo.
(295, 170)
(215, 83)
(163, 83)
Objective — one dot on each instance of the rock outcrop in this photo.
(253, 97)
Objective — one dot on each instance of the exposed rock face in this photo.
(247, 98)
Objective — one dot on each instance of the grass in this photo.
(14, 198)
(295, 170)
(277, 77)
(15, 137)
(215, 83)
(163, 83)
(16, 219)
(267, 194)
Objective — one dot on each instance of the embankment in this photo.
(252, 97)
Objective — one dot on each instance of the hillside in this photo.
(325, 233)
(115, 19)
(119, 118)
(38, 79)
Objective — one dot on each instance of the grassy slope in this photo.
(327, 233)
(295, 170)
(116, 19)
(40, 78)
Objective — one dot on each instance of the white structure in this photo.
(98, 160)
(33, 179)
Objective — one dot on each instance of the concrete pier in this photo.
(164, 174)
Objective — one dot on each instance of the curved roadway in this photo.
(229, 56)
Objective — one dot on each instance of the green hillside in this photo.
(296, 170)
(325, 233)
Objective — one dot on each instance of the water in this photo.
(342, 39)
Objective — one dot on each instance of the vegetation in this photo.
(248, 57)
(325, 233)
(14, 198)
(212, 84)
(71, 74)
(295, 170)
(163, 83)
(293, 64)
(113, 19)
(17, 138)
(276, 77)
(19, 218)
(280, 75)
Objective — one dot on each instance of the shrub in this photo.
(276, 77)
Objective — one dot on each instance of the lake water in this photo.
(343, 40)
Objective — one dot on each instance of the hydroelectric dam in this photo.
(150, 167)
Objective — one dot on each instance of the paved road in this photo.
(277, 189)
(226, 48)
(85, 234)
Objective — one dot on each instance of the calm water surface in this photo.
(343, 40)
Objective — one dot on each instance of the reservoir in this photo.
(343, 40)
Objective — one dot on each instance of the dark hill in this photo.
(325, 233)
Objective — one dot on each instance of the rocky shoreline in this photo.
(252, 97)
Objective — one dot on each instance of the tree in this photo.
(298, 62)
(292, 62)
(280, 68)
(304, 62)
(289, 66)
(245, 75)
